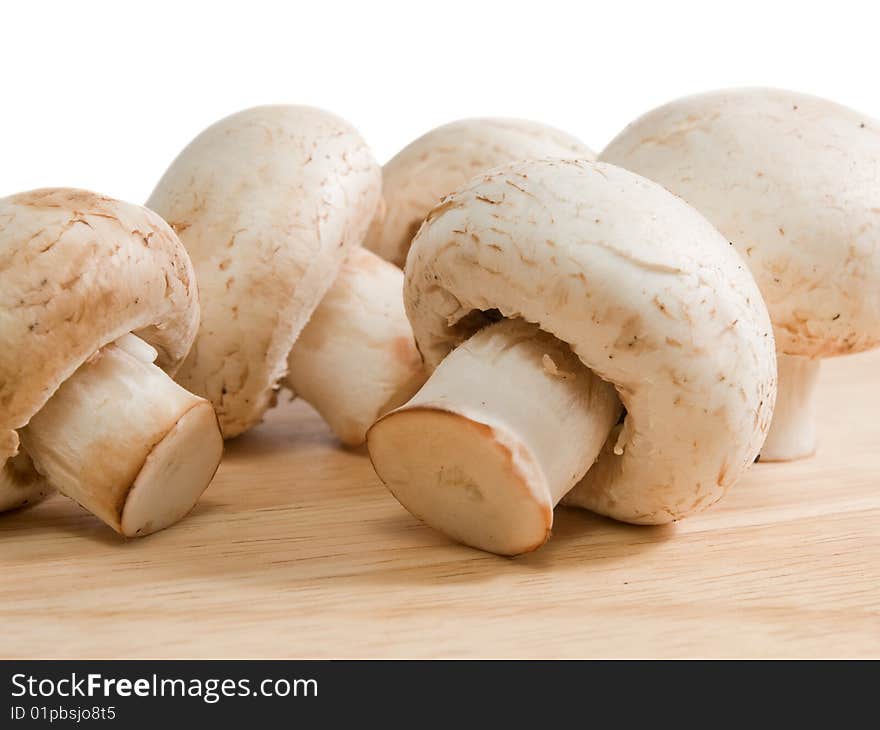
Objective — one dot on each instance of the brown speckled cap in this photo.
(794, 182)
(268, 202)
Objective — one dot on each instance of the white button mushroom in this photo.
(629, 286)
(94, 415)
(794, 182)
(444, 159)
(270, 202)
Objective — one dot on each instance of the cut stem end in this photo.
(505, 426)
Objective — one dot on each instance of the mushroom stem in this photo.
(792, 433)
(356, 358)
(505, 426)
(125, 441)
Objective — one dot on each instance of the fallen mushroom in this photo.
(605, 282)
(95, 417)
(444, 159)
(793, 181)
(269, 203)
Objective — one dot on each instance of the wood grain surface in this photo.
(297, 550)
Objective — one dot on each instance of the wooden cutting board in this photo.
(297, 550)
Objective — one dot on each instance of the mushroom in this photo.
(269, 203)
(793, 181)
(444, 159)
(541, 292)
(94, 291)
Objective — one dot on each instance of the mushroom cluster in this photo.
(508, 323)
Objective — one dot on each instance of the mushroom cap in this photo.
(444, 159)
(646, 293)
(268, 202)
(794, 182)
(80, 270)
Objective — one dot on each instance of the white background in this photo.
(103, 95)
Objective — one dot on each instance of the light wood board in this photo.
(297, 550)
